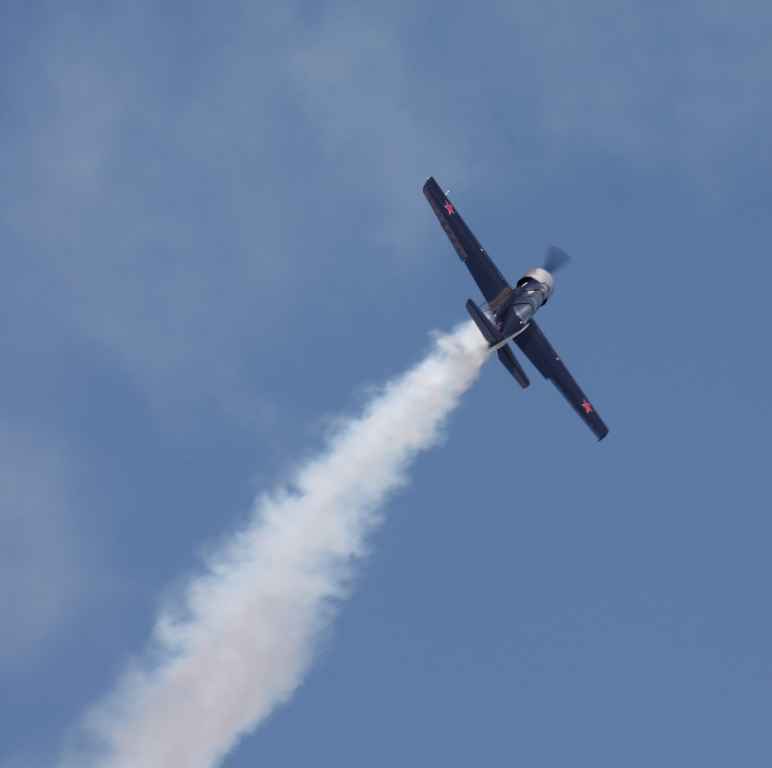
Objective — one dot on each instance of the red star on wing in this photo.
(448, 208)
(587, 407)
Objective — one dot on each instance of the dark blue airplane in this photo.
(508, 315)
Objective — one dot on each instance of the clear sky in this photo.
(215, 243)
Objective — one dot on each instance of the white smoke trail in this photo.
(246, 633)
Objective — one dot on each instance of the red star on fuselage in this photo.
(448, 208)
(587, 407)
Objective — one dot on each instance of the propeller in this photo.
(555, 259)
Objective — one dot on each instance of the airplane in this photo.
(508, 312)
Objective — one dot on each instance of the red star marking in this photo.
(587, 407)
(448, 208)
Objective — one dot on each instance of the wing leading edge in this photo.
(485, 273)
(539, 351)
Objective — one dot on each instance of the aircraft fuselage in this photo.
(518, 308)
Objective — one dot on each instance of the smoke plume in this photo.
(243, 636)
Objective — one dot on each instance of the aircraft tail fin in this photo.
(506, 355)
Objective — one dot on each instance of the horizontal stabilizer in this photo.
(508, 359)
(482, 322)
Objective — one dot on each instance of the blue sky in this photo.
(215, 242)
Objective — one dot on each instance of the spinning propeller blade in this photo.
(555, 259)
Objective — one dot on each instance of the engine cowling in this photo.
(540, 276)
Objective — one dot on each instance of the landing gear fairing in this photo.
(509, 313)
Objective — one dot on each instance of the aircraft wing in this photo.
(485, 273)
(539, 351)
